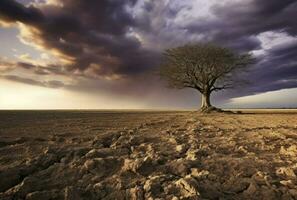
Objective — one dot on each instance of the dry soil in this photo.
(147, 155)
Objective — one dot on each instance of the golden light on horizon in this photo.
(24, 96)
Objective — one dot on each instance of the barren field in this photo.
(147, 155)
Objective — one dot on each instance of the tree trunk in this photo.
(205, 101)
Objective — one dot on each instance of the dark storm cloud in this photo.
(89, 34)
(276, 70)
(238, 25)
(12, 11)
(99, 38)
(255, 17)
(240, 22)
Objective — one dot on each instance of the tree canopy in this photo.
(204, 67)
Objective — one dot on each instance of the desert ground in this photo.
(147, 155)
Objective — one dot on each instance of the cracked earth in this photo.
(147, 155)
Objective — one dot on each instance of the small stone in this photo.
(291, 151)
(139, 165)
(192, 154)
(260, 178)
(188, 186)
(179, 167)
(89, 164)
(98, 191)
(242, 150)
(286, 173)
(172, 140)
(101, 166)
(199, 174)
(152, 187)
(181, 148)
(135, 193)
(136, 140)
(288, 183)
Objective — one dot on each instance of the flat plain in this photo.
(148, 155)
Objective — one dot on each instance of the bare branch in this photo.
(204, 67)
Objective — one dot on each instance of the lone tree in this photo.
(204, 67)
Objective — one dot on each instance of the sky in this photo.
(77, 54)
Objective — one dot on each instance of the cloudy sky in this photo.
(104, 54)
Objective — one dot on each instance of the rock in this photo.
(99, 189)
(172, 140)
(89, 165)
(43, 161)
(136, 193)
(261, 178)
(199, 174)
(286, 173)
(122, 142)
(92, 153)
(101, 166)
(106, 139)
(288, 183)
(28, 185)
(193, 141)
(179, 167)
(98, 186)
(195, 154)
(181, 148)
(189, 187)
(136, 140)
(139, 165)
(192, 154)
(291, 151)
(81, 151)
(152, 187)
(241, 150)
(171, 189)
(131, 132)
(106, 152)
(274, 136)
(210, 189)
